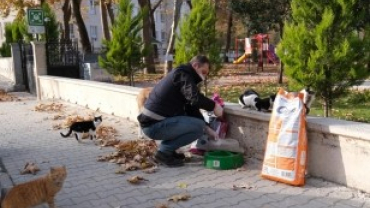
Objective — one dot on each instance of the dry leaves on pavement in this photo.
(49, 107)
(179, 197)
(242, 186)
(30, 168)
(151, 170)
(136, 179)
(132, 155)
(161, 206)
(7, 97)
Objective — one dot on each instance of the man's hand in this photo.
(212, 133)
(218, 110)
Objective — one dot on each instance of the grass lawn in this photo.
(354, 106)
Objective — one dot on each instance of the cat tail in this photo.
(66, 135)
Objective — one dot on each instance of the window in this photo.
(93, 32)
(92, 8)
(163, 17)
(71, 31)
(164, 37)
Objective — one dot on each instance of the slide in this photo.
(271, 55)
(241, 58)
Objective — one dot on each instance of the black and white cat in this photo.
(251, 99)
(80, 127)
(265, 104)
(308, 98)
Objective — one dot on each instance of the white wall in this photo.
(3, 22)
(7, 69)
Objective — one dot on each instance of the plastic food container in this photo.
(223, 160)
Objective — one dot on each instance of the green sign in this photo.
(35, 17)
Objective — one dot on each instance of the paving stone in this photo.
(28, 136)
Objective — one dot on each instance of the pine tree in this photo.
(125, 49)
(198, 36)
(321, 48)
(51, 26)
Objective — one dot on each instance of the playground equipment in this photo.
(258, 44)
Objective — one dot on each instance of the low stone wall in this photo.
(338, 151)
(109, 98)
(7, 69)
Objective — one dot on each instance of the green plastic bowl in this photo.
(223, 160)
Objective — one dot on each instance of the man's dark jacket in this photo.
(177, 94)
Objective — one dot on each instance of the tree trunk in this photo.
(147, 38)
(104, 19)
(171, 41)
(84, 37)
(67, 14)
(110, 11)
(281, 72)
(152, 26)
(228, 34)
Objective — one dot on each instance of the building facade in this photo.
(91, 14)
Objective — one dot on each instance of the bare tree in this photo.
(171, 42)
(84, 37)
(152, 24)
(104, 19)
(110, 11)
(228, 33)
(67, 14)
(147, 37)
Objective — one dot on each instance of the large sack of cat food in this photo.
(286, 148)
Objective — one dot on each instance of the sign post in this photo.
(35, 21)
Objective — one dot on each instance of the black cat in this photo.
(78, 128)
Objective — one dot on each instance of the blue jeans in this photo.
(175, 132)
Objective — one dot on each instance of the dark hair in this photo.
(200, 59)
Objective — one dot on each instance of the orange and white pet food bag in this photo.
(286, 148)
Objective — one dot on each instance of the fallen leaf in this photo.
(132, 165)
(120, 171)
(30, 168)
(151, 170)
(136, 179)
(121, 160)
(179, 197)
(242, 186)
(161, 206)
(110, 142)
(182, 185)
(138, 158)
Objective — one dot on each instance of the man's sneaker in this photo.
(168, 159)
(180, 156)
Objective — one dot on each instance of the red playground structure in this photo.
(258, 44)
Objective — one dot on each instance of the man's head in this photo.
(201, 65)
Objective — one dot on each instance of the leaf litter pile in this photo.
(5, 97)
(52, 107)
(130, 155)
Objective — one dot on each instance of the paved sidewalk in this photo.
(27, 136)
